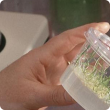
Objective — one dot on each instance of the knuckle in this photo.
(58, 96)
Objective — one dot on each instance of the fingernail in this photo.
(103, 27)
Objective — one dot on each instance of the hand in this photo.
(32, 81)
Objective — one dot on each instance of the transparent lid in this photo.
(100, 43)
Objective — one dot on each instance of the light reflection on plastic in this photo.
(1, 1)
(95, 41)
(108, 1)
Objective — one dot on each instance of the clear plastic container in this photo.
(87, 78)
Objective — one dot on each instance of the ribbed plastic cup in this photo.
(87, 78)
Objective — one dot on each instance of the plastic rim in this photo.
(100, 43)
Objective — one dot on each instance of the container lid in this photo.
(100, 43)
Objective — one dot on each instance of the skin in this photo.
(32, 81)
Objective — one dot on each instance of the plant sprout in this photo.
(92, 71)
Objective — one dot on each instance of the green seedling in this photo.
(93, 74)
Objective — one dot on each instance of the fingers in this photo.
(65, 42)
(103, 27)
(58, 96)
(50, 96)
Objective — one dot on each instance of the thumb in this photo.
(58, 96)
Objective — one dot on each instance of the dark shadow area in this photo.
(2, 42)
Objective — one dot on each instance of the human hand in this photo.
(32, 81)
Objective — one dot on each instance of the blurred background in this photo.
(62, 14)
